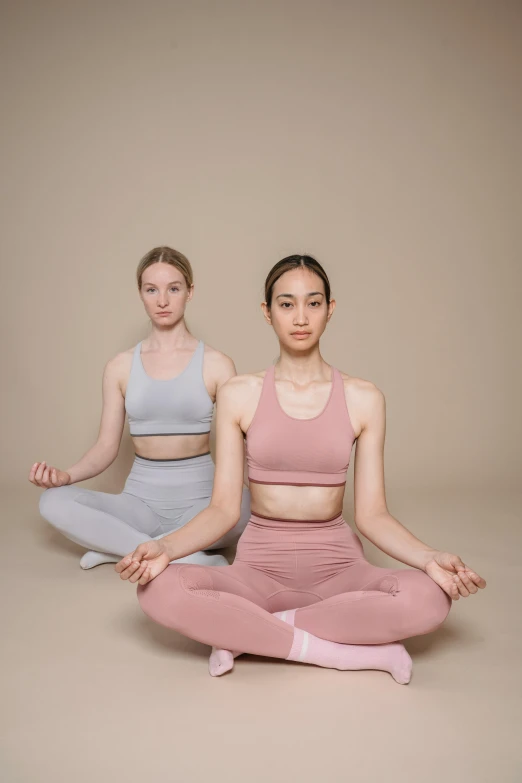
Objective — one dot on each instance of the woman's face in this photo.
(299, 312)
(164, 293)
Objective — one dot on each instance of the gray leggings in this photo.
(159, 497)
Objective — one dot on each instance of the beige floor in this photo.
(94, 691)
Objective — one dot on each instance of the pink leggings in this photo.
(317, 567)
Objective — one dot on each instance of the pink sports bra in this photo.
(302, 452)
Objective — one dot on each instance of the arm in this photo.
(224, 509)
(226, 371)
(107, 445)
(217, 370)
(371, 512)
(375, 521)
(218, 518)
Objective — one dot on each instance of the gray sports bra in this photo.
(175, 406)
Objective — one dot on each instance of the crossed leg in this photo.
(365, 604)
(232, 608)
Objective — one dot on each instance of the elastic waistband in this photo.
(135, 434)
(178, 462)
(296, 524)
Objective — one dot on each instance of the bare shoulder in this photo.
(118, 368)
(217, 360)
(243, 386)
(364, 399)
(361, 388)
(240, 396)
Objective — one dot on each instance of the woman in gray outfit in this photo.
(167, 385)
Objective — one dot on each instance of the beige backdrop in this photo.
(383, 137)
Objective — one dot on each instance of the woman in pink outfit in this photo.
(300, 587)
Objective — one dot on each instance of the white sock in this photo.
(203, 558)
(92, 559)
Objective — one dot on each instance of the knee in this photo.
(52, 502)
(427, 605)
(157, 599)
(167, 599)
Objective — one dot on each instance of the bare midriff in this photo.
(165, 447)
(294, 502)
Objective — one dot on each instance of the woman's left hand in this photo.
(454, 576)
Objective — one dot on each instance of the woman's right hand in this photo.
(44, 475)
(145, 563)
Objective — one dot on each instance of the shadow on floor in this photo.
(152, 635)
(50, 540)
(446, 636)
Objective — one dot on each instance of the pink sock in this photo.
(221, 661)
(307, 648)
(391, 658)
